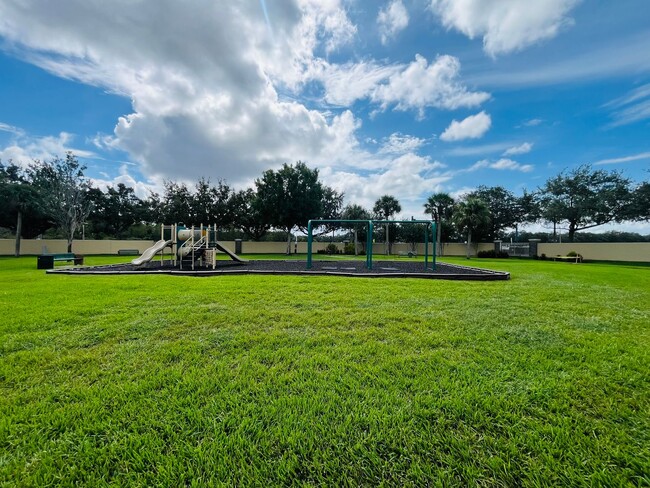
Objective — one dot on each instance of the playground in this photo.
(196, 251)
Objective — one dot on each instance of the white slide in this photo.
(232, 255)
(151, 252)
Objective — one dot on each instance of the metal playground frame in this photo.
(430, 228)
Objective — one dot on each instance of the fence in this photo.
(605, 251)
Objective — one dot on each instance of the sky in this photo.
(399, 97)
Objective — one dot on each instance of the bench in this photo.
(575, 259)
(46, 261)
(128, 252)
(406, 254)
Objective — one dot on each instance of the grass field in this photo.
(543, 380)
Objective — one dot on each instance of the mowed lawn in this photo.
(543, 380)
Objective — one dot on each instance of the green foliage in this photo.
(295, 380)
(63, 192)
(470, 215)
(492, 253)
(586, 198)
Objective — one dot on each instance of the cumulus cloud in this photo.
(524, 148)
(203, 86)
(502, 164)
(505, 25)
(422, 84)
(472, 127)
(391, 20)
(408, 177)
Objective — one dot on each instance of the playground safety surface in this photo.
(381, 269)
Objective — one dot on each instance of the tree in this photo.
(355, 212)
(247, 216)
(470, 215)
(440, 206)
(640, 204)
(586, 198)
(385, 207)
(177, 203)
(210, 204)
(19, 201)
(64, 193)
(114, 211)
(290, 197)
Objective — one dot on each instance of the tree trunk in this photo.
(572, 231)
(70, 245)
(469, 243)
(356, 243)
(19, 231)
(438, 238)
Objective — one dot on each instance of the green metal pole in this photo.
(434, 232)
(369, 245)
(426, 248)
(309, 245)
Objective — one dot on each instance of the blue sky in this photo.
(401, 97)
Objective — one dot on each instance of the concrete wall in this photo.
(39, 246)
(624, 251)
(600, 251)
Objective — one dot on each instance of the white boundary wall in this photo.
(605, 251)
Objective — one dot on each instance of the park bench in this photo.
(575, 259)
(128, 252)
(46, 261)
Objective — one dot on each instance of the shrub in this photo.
(349, 248)
(331, 248)
(492, 254)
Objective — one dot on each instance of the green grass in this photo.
(543, 380)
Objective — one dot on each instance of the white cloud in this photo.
(521, 149)
(532, 122)
(624, 159)
(633, 107)
(408, 177)
(203, 86)
(472, 127)
(23, 149)
(422, 85)
(501, 164)
(414, 86)
(505, 25)
(392, 19)
(511, 165)
(398, 143)
(141, 189)
(344, 84)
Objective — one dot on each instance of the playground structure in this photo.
(429, 229)
(188, 247)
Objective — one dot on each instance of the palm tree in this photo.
(440, 206)
(385, 207)
(355, 212)
(469, 216)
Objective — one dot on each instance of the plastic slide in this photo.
(151, 252)
(232, 255)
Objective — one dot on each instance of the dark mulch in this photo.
(381, 269)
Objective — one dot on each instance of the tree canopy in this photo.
(585, 198)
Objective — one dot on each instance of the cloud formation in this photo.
(505, 25)
(524, 148)
(502, 164)
(472, 127)
(391, 20)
